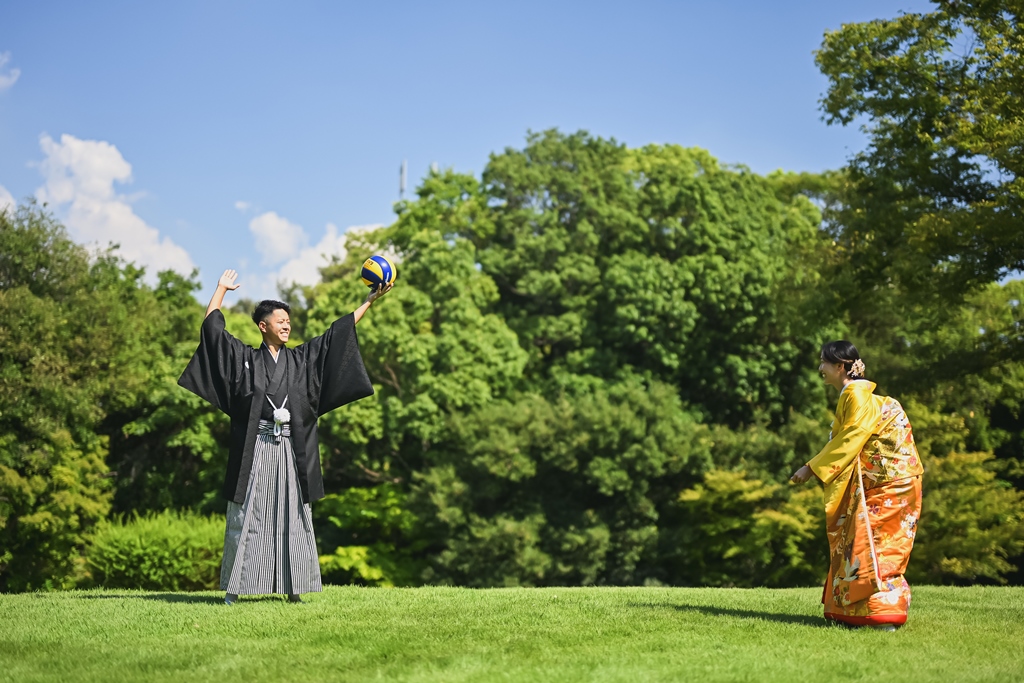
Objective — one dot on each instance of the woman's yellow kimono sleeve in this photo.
(856, 418)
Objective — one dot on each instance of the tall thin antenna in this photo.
(402, 172)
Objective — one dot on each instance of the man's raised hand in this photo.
(375, 293)
(379, 291)
(225, 284)
(227, 280)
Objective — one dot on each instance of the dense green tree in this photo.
(91, 420)
(433, 351)
(560, 490)
(430, 347)
(661, 260)
(935, 201)
(168, 447)
(67, 358)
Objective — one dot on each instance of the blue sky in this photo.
(253, 135)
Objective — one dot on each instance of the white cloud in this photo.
(6, 200)
(11, 77)
(80, 177)
(304, 267)
(242, 206)
(277, 238)
(276, 235)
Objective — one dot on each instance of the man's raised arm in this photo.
(225, 284)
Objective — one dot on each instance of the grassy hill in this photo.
(452, 634)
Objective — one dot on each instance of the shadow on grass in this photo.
(803, 619)
(183, 598)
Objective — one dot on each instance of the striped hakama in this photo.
(269, 545)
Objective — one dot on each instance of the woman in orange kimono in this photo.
(872, 476)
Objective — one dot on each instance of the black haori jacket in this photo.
(324, 373)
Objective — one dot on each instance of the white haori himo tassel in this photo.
(281, 415)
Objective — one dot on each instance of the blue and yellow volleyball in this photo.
(378, 270)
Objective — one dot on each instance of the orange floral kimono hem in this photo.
(870, 539)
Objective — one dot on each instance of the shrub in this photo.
(366, 537)
(972, 523)
(163, 551)
(736, 529)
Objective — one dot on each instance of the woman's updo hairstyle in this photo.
(846, 353)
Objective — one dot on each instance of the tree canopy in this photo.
(937, 198)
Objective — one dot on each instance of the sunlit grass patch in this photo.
(552, 634)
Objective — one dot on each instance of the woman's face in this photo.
(832, 373)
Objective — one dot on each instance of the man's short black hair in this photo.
(268, 306)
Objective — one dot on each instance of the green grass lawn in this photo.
(551, 634)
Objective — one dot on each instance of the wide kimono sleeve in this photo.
(216, 368)
(856, 419)
(333, 358)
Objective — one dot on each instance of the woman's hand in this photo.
(802, 475)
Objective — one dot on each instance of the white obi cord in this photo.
(281, 415)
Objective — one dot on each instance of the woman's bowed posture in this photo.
(872, 476)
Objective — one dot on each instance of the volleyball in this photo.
(377, 270)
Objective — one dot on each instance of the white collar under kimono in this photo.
(272, 354)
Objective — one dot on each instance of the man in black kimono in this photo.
(274, 396)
